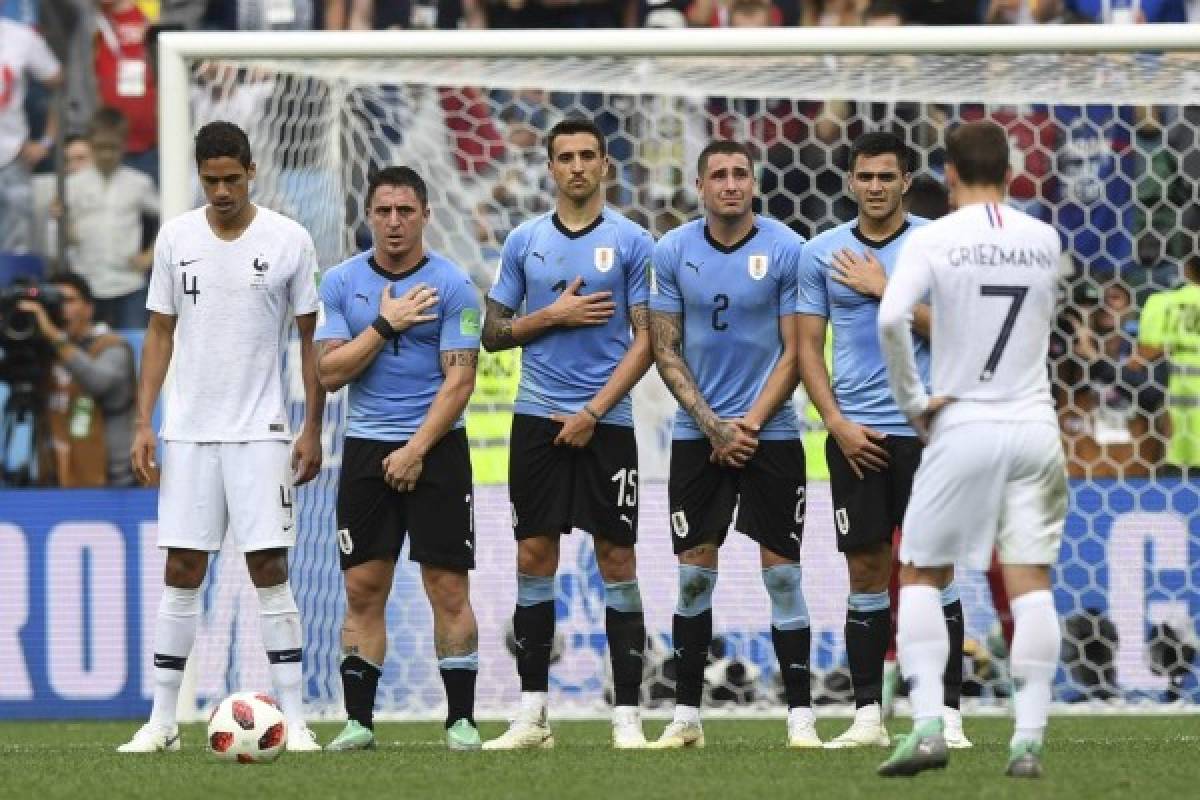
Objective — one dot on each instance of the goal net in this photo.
(1105, 146)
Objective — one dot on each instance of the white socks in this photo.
(687, 714)
(174, 634)
(533, 706)
(1035, 651)
(923, 644)
(283, 638)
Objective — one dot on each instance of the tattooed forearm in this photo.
(459, 358)
(639, 317)
(498, 327)
(666, 337)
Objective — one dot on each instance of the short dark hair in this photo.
(725, 147)
(76, 282)
(107, 119)
(72, 138)
(575, 125)
(879, 143)
(397, 176)
(979, 152)
(927, 197)
(222, 139)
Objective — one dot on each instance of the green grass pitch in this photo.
(1140, 758)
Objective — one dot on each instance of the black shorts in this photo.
(866, 512)
(438, 515)
(555, 488)
(769, 493)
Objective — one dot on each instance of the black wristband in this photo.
(383, 327)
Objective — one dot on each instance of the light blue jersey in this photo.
(860, 382)
(389, 399)
(731, 299)
(564, 368)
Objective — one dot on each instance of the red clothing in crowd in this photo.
(129, 86)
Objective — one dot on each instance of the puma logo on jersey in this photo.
(695, 267)
(538, 256)
(363, 297)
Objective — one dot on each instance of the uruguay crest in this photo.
(605, 257)
(757, 267)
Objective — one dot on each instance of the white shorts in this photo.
(208, 487)
(984, 484)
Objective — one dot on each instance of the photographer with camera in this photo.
(89, 392)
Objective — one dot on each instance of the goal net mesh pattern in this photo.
(1106, 147)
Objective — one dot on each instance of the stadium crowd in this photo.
(79, 166)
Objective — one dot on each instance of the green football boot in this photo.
(462, 735)
(1024, 760)
(355, 736)
(920, 750)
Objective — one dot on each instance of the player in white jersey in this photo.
(993, 473)
(227, 279)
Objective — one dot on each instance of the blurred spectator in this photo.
(720, 13)
(77, 154)
(22, 52)
(23, 11)
(90, 398)
(258, 15)
(831, 13)
(1112, 11)
(106, 203)
(124, 78)
(884, 14)
(512, 14)
(1163, 190)
(1010, 12)
(1169, 331)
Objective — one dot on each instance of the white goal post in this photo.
(326, 107)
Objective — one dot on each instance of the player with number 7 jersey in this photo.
(723, 327)
(579, 273)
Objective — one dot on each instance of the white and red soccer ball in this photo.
(247, 728)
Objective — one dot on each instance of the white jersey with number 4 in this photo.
(990, 273)
(233, 302)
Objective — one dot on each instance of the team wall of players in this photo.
(732, 308)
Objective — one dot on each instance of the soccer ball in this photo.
(247, 728)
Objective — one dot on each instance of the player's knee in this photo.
(538, 555)
(616, 563)
(696, 585)
(870, 571)
(785, 587)
(364, 597)
(448, 590)
(267, 567)
(185, 569)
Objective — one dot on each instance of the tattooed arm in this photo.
(666, 339)
(503, 329)
(403, 466)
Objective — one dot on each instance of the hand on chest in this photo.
(549, 270)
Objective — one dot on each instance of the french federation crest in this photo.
(757, 267)
(605, 257)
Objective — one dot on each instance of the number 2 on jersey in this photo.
(1017, 295)
(720, 303)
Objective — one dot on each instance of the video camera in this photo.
(24, 355)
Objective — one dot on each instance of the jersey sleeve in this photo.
(42, 63)
(509, 288)
(788, 290)
(1152, 324)
(160, 296)
(641, 250)
(461, 319)
(664, 288)
(910, 282)
(331, 315)
(812, 297)
(303, 286)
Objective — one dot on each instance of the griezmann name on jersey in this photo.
(860, 382)
(388, 400)
(731, 299)
(564, 368)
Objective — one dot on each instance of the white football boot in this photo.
(627, 729)
(802, 729)
(867, 730)
(528, 731)
(952, 730)
(153, 738)
(680, 734)
(301, 739)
